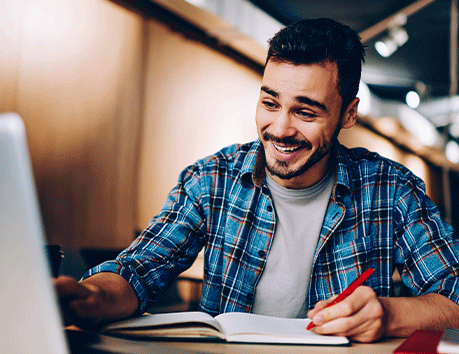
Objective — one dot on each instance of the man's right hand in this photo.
(98, 300)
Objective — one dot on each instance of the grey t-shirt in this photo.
(282, 289)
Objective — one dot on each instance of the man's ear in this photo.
(350, 114)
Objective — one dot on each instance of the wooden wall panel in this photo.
(197, 101)
(78, 84)
(10, 35)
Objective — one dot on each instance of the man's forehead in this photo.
(300, 78)
(276, 68)
(322, 63)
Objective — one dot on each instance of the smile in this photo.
(287, 149)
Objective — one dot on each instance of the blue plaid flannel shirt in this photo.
(378, 216)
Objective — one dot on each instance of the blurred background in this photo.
(118, 96)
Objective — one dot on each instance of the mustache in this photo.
(287, 140)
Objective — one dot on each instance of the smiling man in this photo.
(290, 220)
(299, 118)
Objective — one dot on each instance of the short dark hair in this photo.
(312, 41)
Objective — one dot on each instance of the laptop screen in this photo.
(30, 321)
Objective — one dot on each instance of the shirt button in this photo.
(261, 253)
(269, 208)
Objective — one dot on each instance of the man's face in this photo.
(298, 120)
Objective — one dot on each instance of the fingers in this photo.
(314, 313)
(97, 300)
(345, 308)
(88, 306)
(320, 306)
(78, 301)
(68, 286)
(359, 317)
(365, 331)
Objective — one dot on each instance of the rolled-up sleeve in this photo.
(168, 246)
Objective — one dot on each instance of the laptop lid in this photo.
(29, 314)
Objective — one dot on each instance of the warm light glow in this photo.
(418, 125)
(416, 165)
(52, 19)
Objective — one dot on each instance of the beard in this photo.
(281, 168)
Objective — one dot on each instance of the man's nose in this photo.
(282, 125)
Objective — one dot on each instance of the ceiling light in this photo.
(199, 3)
(452, 151)
(454, 130)
(364, 95)
(412, 99)
(387, 46)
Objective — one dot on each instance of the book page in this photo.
(161, 320)
(246, 327)
(185, 331)
(449, 342)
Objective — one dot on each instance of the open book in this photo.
(449, 342)
(229, 327)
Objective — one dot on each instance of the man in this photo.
(290, 220)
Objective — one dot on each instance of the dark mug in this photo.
(55, 256)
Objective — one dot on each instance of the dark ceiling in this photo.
(424, 58)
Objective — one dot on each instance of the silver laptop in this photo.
(30, 319)
(29, 315)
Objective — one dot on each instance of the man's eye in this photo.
(304, 114)
(269, 104)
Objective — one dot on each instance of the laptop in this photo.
(29, 316)
(30, 320)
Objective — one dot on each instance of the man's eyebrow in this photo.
(301, 99)
(311, 102)
(269, 91)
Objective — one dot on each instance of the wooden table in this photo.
(118, 345)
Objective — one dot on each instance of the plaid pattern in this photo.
(378, 217)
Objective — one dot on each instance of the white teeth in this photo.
(286, 149)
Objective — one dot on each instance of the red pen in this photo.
(348, 291)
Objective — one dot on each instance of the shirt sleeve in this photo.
(168, 246)
(428, 254)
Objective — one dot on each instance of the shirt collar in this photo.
(253, 168)
(344, 163)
